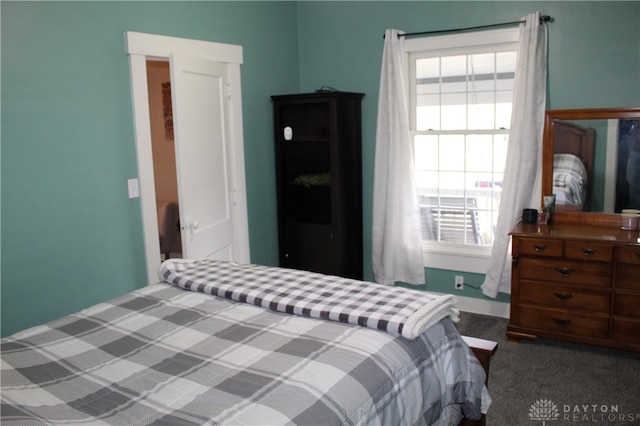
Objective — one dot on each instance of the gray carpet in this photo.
(558, 382)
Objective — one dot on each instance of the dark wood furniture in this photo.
(548, 149)
(319, 181)
(577, 281)
(483, 350)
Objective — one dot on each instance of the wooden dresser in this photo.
(576, 282)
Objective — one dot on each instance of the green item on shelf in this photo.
(319, 179)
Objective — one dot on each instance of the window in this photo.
(461, 89)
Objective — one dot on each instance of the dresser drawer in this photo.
(588, 251)
(628, 276)
(564, 322)
(627, 305)
(629, 254)
(567, 297)
(565, 271)
(626, 330)
(540, 247)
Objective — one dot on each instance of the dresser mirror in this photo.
(586, 154)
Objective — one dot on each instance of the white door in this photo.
(142, 47)
(200, 108)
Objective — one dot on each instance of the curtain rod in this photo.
(545, 18)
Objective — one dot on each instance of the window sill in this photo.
(456, 257)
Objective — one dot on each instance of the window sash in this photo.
(485, 42)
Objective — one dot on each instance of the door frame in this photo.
(141, 47)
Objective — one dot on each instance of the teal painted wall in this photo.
(594, 61)
(70, 235)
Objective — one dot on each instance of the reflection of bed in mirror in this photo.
(572, 166)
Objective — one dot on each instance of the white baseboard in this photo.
(483, 307)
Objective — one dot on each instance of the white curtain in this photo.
(522, 174)
(396, 233)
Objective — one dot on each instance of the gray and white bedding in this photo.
(395, 310)
(569, 179)
(165, 356)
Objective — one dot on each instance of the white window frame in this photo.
(437, 254)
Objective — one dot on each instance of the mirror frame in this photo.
(607, 219)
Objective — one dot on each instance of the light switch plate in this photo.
(132, 184)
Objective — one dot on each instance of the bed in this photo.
(572, 166)
(224, 343)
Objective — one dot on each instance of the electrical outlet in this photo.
(459, 283)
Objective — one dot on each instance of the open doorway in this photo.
(164, 159)
(209, 148)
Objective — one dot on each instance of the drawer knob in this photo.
(588, 252)
(563, 296)
(539, 248)
(561, 321)
(565, 272)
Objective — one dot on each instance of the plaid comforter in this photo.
(165, 356)
(396, 310)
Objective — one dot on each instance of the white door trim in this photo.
(142, 47)
(159, 46)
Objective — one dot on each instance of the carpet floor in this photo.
(556, 383)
